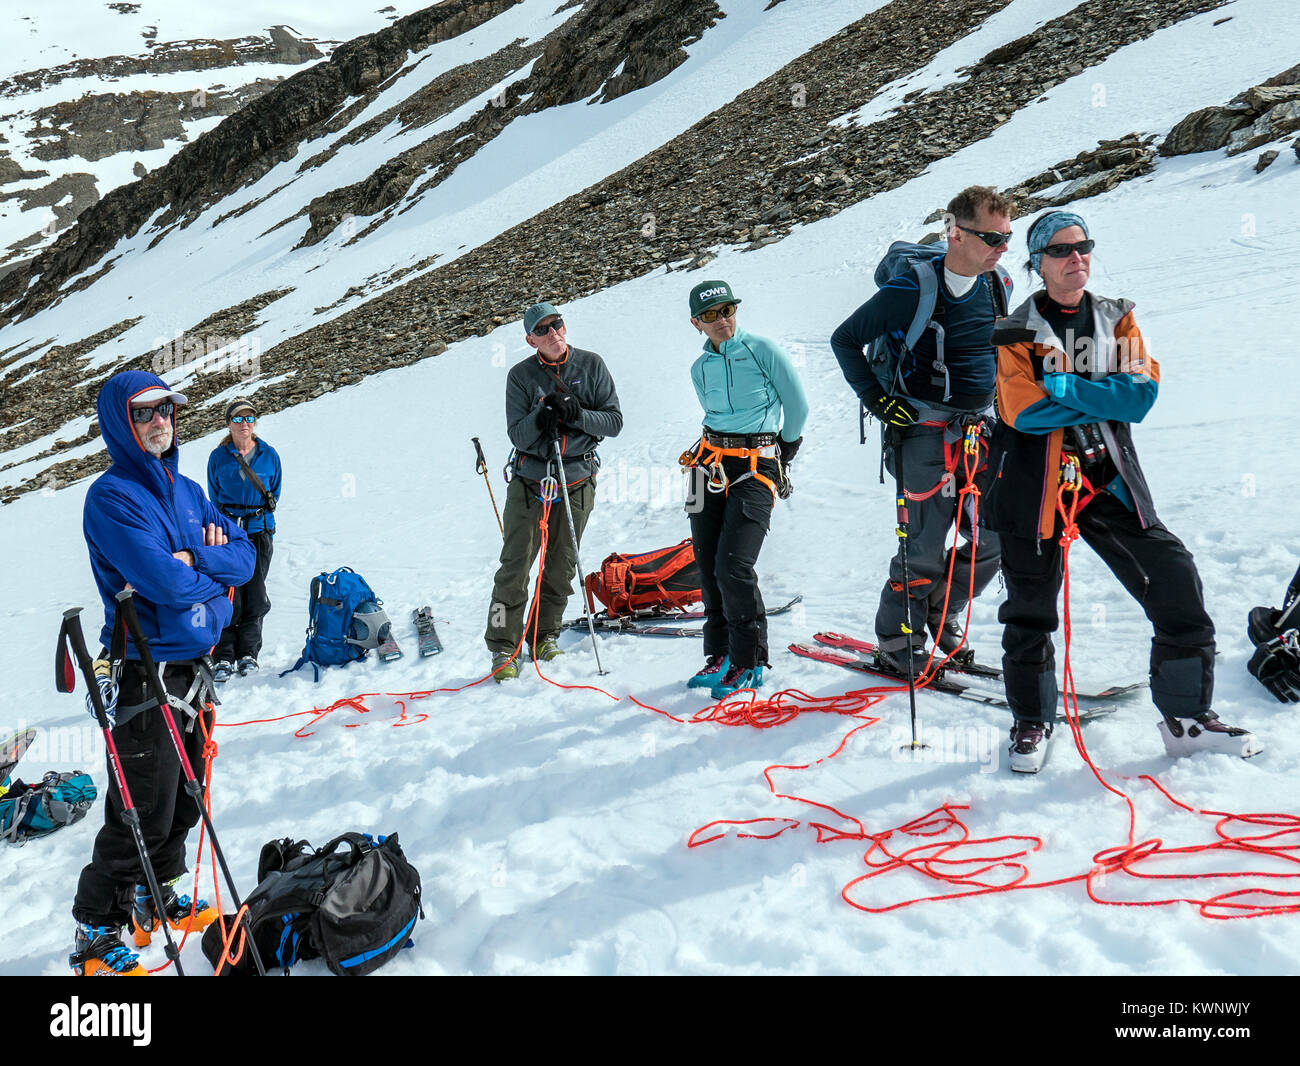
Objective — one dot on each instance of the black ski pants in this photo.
(929, 532)
(728, 530)
(1153, 566)
(244, 634)
(167, 811)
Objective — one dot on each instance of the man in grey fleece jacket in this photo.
(565, 393)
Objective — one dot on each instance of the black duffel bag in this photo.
(353, 902)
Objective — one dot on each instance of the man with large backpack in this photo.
(919, 355)
(558, 395)
(151, 529)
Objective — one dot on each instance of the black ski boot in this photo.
(948, 638)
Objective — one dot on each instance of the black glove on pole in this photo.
(126, 611)
(901, 502)
(72, 633)
(582, 584)
(548, 419)
(568, 406)
(480, 467)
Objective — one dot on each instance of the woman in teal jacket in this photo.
(754, 413)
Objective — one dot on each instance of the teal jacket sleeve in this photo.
(794, 402)
(1117, 398)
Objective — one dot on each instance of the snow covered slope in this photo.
(550, 825)
(93, 96)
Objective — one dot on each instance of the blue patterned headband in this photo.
(1042, 232)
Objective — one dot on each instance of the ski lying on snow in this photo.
(943, 683)
(867, 649)
(658, 622)
(11, 751)
(425, 632)
(388, 649)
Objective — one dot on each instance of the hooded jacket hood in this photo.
(124, 447)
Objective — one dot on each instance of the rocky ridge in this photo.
(240, 150)
(610, 48)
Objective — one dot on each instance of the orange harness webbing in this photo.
(710, 457)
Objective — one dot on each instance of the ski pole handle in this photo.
(480, 466)
(95, 695)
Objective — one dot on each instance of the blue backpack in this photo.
(888, 351)
(345, 620)
(60, 799)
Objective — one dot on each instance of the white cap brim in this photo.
(157, 395)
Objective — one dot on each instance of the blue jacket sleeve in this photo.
(142, 555)
(890, 309)
(231, 563)
(273, 487)
(214, 493)
(1117, 398)
(794, 402)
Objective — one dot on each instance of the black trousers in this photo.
(167, 811)
(244, 634)
(1153, 566)
(728, 531)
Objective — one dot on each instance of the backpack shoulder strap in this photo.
(1000, 282)
(927, 300)
(256, 481)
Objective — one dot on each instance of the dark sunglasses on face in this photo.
(1062, 251)
(144, 415)
(250, 419)
(546, 327)
(713, 313)
(992, 238)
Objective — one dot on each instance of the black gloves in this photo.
(557, 408)
(890, 409)
(548, 420)
(1276, 662)
(788, 449)
(567, 406)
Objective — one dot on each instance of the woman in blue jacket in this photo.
(235, 468)
(754, 413)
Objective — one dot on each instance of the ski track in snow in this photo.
(550, 826)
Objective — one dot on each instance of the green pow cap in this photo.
(536, 313)
(709, 294)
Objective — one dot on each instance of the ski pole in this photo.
(126, 608)
(130, 815)
(480, 467)
(902, 531)
(582, 585)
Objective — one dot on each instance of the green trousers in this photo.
(523, 535)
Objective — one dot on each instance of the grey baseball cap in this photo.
(536, 313)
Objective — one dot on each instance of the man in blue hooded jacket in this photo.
(150, 529)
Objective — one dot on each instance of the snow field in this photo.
(550, 827)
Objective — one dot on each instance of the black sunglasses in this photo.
(992, 238)
(546, 327)
(711, 315)
(250, 419)
(144, 415)
(1062, 251)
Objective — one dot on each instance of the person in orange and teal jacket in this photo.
(1073, 374)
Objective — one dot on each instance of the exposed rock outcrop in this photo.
(610, 48)
(1252, 118)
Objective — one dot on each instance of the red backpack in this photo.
(667, 578)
